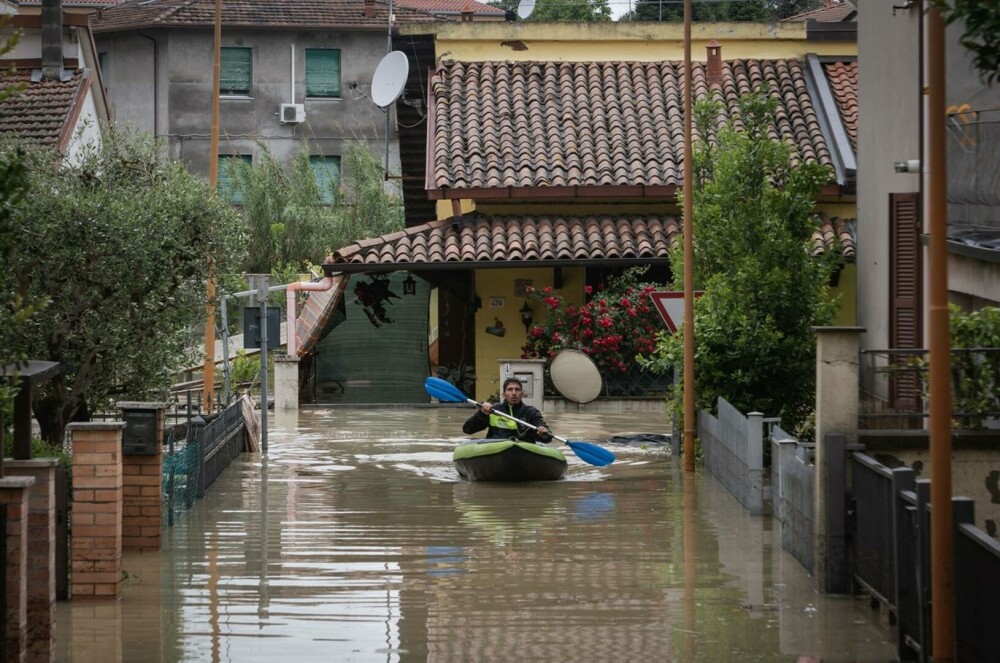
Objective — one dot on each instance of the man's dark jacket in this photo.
(522, 411)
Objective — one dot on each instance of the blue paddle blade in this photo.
(444, 391)
(591, 453)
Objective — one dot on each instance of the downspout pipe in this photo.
(302, 286)
(156, 81)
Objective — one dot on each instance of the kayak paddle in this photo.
(447, 392)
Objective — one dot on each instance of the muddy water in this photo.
(354, 540)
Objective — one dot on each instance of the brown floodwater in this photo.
(354, 540)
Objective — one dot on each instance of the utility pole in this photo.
(208, 372)
(942, 520)
(689, 413)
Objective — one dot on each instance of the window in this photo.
(323, 73)
(326, 170)
(102, 63)
(236, 71)
(224, 184)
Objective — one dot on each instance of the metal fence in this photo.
(732, 447)
(3, 584)
(180, 480)
(220, 441)
(894, 388)
(793, 476)
(892, 561)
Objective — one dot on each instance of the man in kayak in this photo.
(500, 428)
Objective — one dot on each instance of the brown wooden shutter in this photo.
(905, 279)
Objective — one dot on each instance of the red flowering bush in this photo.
(617, 323)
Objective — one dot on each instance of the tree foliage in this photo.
(293, 218)
(756, 11)
(981, 19)
(763, 290)
(119, 247)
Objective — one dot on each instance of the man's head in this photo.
(512, 390)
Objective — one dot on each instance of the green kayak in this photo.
(507, 460)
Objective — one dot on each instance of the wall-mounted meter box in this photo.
(140, 435)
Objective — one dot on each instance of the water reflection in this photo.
(354, 540)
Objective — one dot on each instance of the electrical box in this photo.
(251, 327)
(292, 113)
(140, 435)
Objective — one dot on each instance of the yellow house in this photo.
(552, 155)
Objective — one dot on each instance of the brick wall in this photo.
(96, 525)
(14, 498)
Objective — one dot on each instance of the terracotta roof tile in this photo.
(41, 111)
(530, 124)
(317, 14)
(843, 78)
(450, 6)
(476, 238)
(833, 11)
(835, 234)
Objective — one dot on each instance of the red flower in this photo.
(536, 332)
(606, 322)
(625, 302)
(588, 289)
(556, 338)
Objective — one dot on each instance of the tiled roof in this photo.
(569, 124)
(435, 6)
(843, 78)
(835, 234)
(41, 111)
(475, 238)
(72, 3)
(313, 14)
(834, 11)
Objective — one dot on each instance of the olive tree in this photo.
(118, 246)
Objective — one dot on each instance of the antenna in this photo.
(389, 78)
(525, 7)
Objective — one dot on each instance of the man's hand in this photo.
(486, 408)
(543, 431)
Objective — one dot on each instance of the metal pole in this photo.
(262, 293)
(689, 412)
(225, 351)
(942, 534)
(208, 386)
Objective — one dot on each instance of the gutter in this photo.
(831, 124)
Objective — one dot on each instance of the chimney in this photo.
(369, 8)
(714, 49)
(52, 45)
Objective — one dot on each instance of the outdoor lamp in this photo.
(527, 315)
(409, 285)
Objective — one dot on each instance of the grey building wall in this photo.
(889, 102)
(181, 106)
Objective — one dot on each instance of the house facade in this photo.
(553, 154)
(292, 74)
(893, 254)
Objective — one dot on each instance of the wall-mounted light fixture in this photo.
(910, 166)
(409, 285)
(527, 315)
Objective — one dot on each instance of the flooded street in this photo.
(354, 540)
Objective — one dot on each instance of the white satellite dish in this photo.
(525, 7)
(575, 376)
(389, 79)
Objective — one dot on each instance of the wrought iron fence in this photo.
(181, 468)
(636, 383)
(221, 441)
(894, 388)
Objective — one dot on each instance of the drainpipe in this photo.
(156, 79)
(52, 46)
(303, 286)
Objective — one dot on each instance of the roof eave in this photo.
(556, 192)
(367, 268)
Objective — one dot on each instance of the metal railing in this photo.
(894, 388)
(220, 441)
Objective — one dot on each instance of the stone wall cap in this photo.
(286, 359)
(16, 482)
(31, 463)
(142, 405)
(96, 425)
(522, 361)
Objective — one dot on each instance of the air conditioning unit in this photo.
(293, 113)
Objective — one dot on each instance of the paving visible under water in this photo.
(354, 540)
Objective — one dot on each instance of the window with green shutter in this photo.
(326, 170)
(236, 69)
(224, 184)
(323, 73)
